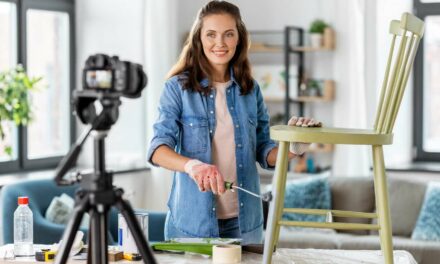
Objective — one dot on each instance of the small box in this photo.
(126, 240)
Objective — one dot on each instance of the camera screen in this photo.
(101, 79)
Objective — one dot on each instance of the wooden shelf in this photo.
(274, 99)
(261, 48)
(311, 99)
(328, 94)
(328, 91)
(309, 49)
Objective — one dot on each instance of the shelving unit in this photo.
(287, 43)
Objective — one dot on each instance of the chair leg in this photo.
(276, 207)
(382, 206)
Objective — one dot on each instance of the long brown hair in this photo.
(193, 61)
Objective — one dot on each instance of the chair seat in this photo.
(329, 135)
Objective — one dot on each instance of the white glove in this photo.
(207, 176)
(299, 148)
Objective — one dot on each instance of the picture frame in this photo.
(272, 81)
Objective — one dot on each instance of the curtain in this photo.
(350, 108)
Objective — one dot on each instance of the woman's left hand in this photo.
(299, 148)
(303, 122)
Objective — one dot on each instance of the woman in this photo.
(213, 127)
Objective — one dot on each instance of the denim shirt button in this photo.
(239, 145)
(210, 131)
(212, 112)
(237, 126)
(241, 204)
(241, 184)
(191, 124)
(211, 96)
(213, 209)
(240, 165)
(232, 107)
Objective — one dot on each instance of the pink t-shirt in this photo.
(223, 152)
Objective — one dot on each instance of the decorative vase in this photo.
(315, 40)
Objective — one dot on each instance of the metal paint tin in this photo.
(125, 238)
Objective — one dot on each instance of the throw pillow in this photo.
(60, 209)
(428, 223)
(313, 193)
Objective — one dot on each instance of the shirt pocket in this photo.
(194, 135)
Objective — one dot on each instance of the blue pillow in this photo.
(428, 223)
(313, 193)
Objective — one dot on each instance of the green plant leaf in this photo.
(8, 150)
(318, 26)
(15, 104)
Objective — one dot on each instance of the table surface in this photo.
(281, 256)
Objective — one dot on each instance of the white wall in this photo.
(118, 27)
(115, 27)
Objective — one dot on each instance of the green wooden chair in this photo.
(408, 31)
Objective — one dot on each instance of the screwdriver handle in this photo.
(228, 185)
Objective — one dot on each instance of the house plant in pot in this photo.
(15, 103)
(316, 31)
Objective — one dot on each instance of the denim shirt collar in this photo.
(204, 82)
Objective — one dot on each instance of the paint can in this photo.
(126, 240)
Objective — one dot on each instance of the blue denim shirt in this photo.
(187, 123)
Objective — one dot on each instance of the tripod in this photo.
(96, 196)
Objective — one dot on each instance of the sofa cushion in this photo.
(353, 194)
(311, 193)
(405, 199)
(428, 223)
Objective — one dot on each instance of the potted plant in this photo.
(313, 88)
(15, 105)
(316, 30)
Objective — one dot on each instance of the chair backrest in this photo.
(406, 33)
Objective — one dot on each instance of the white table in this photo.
(281, 256)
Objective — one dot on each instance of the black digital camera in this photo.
(105, 80)
(105, 74)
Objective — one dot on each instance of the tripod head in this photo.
(105, 80)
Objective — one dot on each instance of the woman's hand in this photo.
(303, 122)
(207, 176)
(299, 148)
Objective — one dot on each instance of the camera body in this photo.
(105, 80)
(109, 75)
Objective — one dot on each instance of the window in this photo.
(427, 84)
(39, 35)
(8, 58)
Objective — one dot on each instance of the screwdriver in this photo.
(265, 197)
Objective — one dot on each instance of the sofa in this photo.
(357, 194)
(41, 193)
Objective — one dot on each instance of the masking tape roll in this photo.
(226, 254)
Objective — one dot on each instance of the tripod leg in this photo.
(98, 237)
(135, 229)
(71, 229)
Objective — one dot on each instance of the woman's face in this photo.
(219, 36)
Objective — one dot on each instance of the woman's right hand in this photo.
(207, 176)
